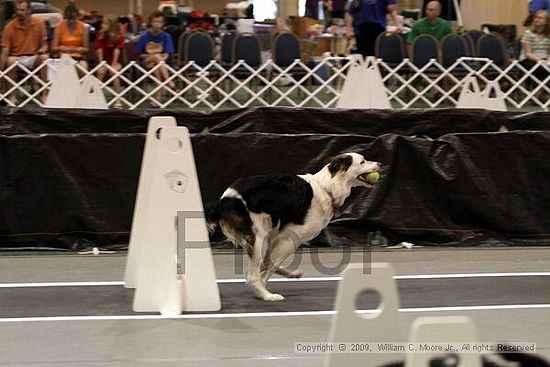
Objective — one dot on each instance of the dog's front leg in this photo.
(281, 248)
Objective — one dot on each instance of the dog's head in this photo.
(353, 168)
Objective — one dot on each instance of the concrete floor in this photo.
(247, 339)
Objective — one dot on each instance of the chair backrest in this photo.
(92, 58)
(475, 34)
(509, 33)
(199, 47)
(390, 47)
(518, 48)
(246, 46)
(493, 46)
(286, 49)
(424, 48)
(453, 47)
(226, 48)
(182, 41)
(129, 52)
(174, 31)
(472, 46)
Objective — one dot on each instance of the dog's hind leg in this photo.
(261, 245)
(255, 279)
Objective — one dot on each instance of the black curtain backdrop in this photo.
(69, 178)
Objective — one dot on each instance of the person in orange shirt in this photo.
(71, 37)
(24, 40)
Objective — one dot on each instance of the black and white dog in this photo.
(270, 216)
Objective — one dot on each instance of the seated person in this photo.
(154, 48)
(108, 45)
(536, 44)
(431, 24)
(71, 36)
(24, 40)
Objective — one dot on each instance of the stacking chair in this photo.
(390, 48)
(475, 35)
(286, 48)
(493, 46)
(181, 47)
(199, 47)
(226, 49)
(424, 48)
(471, 44)
(247, 47)
(175, 32)
(453, 47)
(518, 48)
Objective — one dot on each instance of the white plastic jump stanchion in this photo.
(348, 326)
(441, 330)
(137, 234)
(477, 99)
(65, 85)
(172, 277)
(363, 87)
(90, 94)
(67, 92)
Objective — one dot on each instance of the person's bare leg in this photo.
(41, 63)
(116, 85)
(83, 67)
(116, 81)
(165, 76)
(12, 75)
(101, 72)
(158, 75)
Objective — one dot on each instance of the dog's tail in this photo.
(230, 214)
(213, 213)
(225, 209)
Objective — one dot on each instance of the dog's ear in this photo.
(340, 163)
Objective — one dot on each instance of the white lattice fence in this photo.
(318, 84)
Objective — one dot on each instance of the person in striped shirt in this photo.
(536, 44)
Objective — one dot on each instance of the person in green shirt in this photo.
(431, 24)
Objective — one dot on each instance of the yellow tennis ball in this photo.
(373, 177)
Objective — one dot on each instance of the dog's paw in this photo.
(295, 274)
(272, 297)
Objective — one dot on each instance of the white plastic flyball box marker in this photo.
(439, 330)
(363, 87)
(137, 233)
(66, 90)
(90, 94)
(348, 326)
(471, 96)
(65, 85)
(173, 271)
